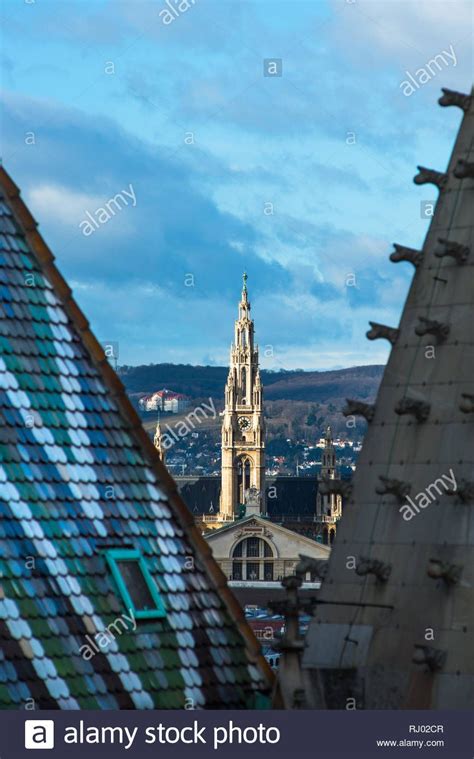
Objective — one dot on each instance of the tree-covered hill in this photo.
(208, 381)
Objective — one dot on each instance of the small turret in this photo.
(158, 442)
(329, 497)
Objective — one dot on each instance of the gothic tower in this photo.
(328, 500)
(243, 442)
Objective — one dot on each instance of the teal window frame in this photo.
(122, 554)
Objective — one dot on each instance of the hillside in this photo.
(208, 381)
(298, 404)
(324, 387)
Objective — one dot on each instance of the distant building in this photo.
(164, 400)
(254, 550)
(310, 506)
(265, 527)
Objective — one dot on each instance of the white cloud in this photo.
(67, 208)
(59, 203)
(412, 32)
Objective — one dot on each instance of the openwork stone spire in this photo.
(405, 539)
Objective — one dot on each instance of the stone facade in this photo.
(395, 627)
(253, 549)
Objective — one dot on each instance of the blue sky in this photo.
(103, 95)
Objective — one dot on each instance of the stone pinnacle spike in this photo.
(378, 331)
(430, 176)
(451, 97)
(402, 253)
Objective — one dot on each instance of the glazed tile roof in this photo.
(78, 475)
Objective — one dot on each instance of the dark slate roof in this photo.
(285, 495)
(67, 433)
(291, 496)
(201, 494)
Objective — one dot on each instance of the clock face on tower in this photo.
(244, 423)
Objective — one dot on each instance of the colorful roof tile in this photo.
(79, 478)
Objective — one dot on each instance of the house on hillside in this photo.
(165, 400)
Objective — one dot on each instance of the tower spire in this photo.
(244, 307)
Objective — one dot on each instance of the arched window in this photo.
(244, 478)
(237, 552)
(243, 384)
(252, 560)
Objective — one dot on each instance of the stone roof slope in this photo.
(404, 553)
